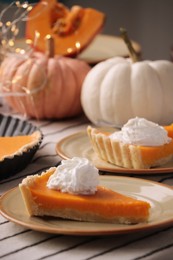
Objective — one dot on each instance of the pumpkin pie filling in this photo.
(104, 205)
(151, 155)
(16, 145)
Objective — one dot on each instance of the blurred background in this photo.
(148, 22)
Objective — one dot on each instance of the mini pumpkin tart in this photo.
(69, 192)
(140, 144)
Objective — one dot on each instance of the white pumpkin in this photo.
(117, 89)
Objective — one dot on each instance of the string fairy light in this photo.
(9, 30)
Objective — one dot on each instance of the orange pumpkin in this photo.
(72, 29)
(41, 86)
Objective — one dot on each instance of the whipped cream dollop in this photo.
(76, 176)
(139, 131)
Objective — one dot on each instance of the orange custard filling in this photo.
(169, 129)
(11, 145)
(152, 154)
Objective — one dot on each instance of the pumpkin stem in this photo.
(133, 54)
(50, 46)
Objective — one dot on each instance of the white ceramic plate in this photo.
(159, 196)
(78, 145)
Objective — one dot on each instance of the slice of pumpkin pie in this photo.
(72, 191)
(141, 144)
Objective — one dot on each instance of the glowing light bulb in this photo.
(8, 23)
(28, 41)
(78, 45)
(11, 43)
(69, 50)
